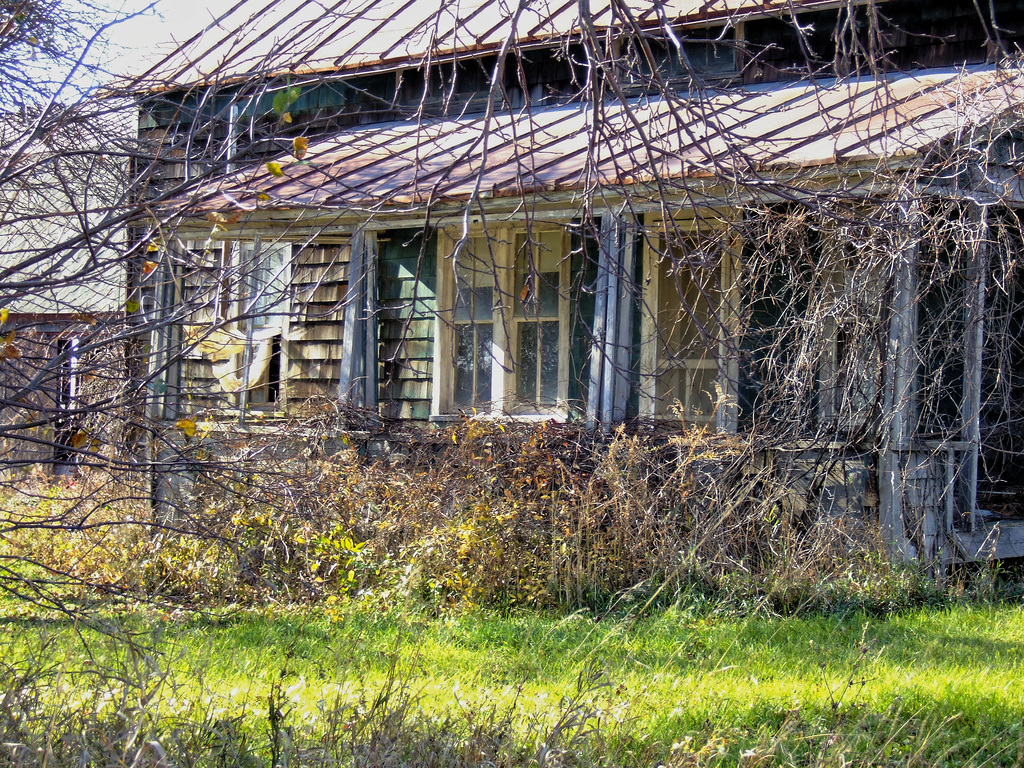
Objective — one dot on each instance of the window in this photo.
(506, 325)
(238, 336)
(66, 395)
(537, 321)
(474, 324)
(689, 292)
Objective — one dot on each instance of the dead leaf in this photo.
(84, 317)
(299, 146)
(224, 218)
(148, 267)
(79, 439)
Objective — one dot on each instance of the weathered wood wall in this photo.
(407, 285)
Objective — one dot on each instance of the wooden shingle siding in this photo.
(407, 276)
(201, 390)
(319, 280)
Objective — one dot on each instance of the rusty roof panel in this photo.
(790, 125)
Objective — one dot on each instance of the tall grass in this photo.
(681, 687)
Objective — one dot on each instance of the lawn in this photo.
(370, 684)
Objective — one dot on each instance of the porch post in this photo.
(357, 384)
(599, 334)
(900, 386)
(626, 250)
(974, 342)
(613, 327)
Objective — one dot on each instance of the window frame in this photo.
(267, 394)
(505, 322)
(652, 360)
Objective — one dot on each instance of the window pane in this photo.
(463, 303)
(484, 337)
(689, 295)
(464, 358)
(547, 299)
(268, 282)
(474, 282)
(526, 386)
(483, 303)
(549, 362)
(538, 274)
(473, 363)
(701, 396)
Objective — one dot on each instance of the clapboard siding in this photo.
(205, 294)
(320, 281)
(407, 284)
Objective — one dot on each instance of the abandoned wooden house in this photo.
(794, 221)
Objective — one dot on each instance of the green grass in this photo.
(682, 687)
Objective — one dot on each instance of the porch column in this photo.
(974, 343)
(357, 385)
(900, 384)
(613, 326)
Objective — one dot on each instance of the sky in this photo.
(141, 39)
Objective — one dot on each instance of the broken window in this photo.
(246, 308)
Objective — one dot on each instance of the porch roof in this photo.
(744, 135)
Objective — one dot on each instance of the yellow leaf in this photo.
(10, 337)
(131, 306)
(299, 146)
(79, 439)
(287, 117)
(148, 267)
(263, 197)
(4, 313)
(188, 427)
(275, 169)
(153, 248)
(223, 218)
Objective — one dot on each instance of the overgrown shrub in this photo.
(481, 513)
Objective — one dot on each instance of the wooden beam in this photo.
(611, 251)
(597, 350)
(357, 383)
(974, 343)
(625, 246)
(900, 387)
(613, 326)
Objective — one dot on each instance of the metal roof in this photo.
(262, 37)
(734, 133)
